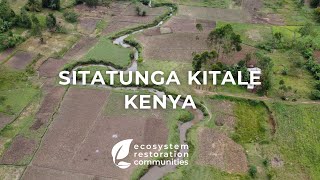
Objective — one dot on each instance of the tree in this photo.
(33, 5)
(253, 171)
(51, 21)
(70, 16)
(278, 37)
(52, 4)
(265, 63)
(24, 19)
(206, 58)
(199, 27)
(36, 29)
(314, 3)
(315, 95)
(225, 40)
(317, 14)
(6, 13)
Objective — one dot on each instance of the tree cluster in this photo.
(224, 40)
(51, 4)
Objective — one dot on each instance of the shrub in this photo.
(315, 95)
(317, 13)
(51, 4)
(33, 5)
(185, 117)
(314, 3)
(144, 13)
(24, 19)
(317, 86)
(51, 21)
(145, 2)
(138, 10)
(252, 171)
(70, 16)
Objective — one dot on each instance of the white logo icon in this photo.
(121, 151)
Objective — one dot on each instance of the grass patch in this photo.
(105, 51)
(251, 34)
(297, 140)
(285, 68)
(251, 125)
(15, 91)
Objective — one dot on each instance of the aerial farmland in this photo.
(51, 130)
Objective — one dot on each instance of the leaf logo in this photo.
(121, 151)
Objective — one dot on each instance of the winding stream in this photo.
(154, 172)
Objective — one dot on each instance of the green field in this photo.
(299, 79)
(15, 90)
(107, 52)
(251, 34)
(297, 141)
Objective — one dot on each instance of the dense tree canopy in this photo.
(224, 40)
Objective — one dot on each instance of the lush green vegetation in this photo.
(297, 140)
(15, 91)
(105, 51)
(252, 122)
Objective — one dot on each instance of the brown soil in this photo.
(185, 24)
(20, 60)
(5, 54)
(215, 14)
(80, 48)
(49, 104)
(238, 56)
(176, 46)
(51, 67)
(225, 120)
(218, 150)
(4, 120)
(317, 56)
(87, 25)
(36, 173)
(153, 137)
(19, 149)
(81, 137)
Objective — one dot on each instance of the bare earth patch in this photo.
(20, 148)
(235, 57)
(81, 136)
(220, 151)
(51, 67)
(4, 120)
(186, 24)
(80, 48)
(87, 25)
(5, 54)
(317, 56)
(176, 46)
(215, 14)
(49, 104)
(20, 60)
